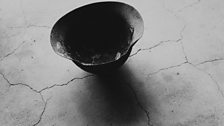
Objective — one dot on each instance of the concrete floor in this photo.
(174, 77)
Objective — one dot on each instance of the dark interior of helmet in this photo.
(95, 34)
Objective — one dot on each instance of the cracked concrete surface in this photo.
(173, 77)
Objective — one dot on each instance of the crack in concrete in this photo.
(149, 123)
(46, 88)
(189, 6)
(195, 66)
(210, 61)
(18, 84)
(181, 9)
(139, 50)
(64, 84)
(181, 33)
(29, 26)
(209, 74)
(216, 83)
(203, 62)
(184, 53)
(40, 91)
(182, 45)
(150, 48)
(12, 52)
(160, 43)
(42, 113)
(211, 77)
(33, 90)
(166, 68)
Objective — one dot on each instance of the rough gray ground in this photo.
(174, 76)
